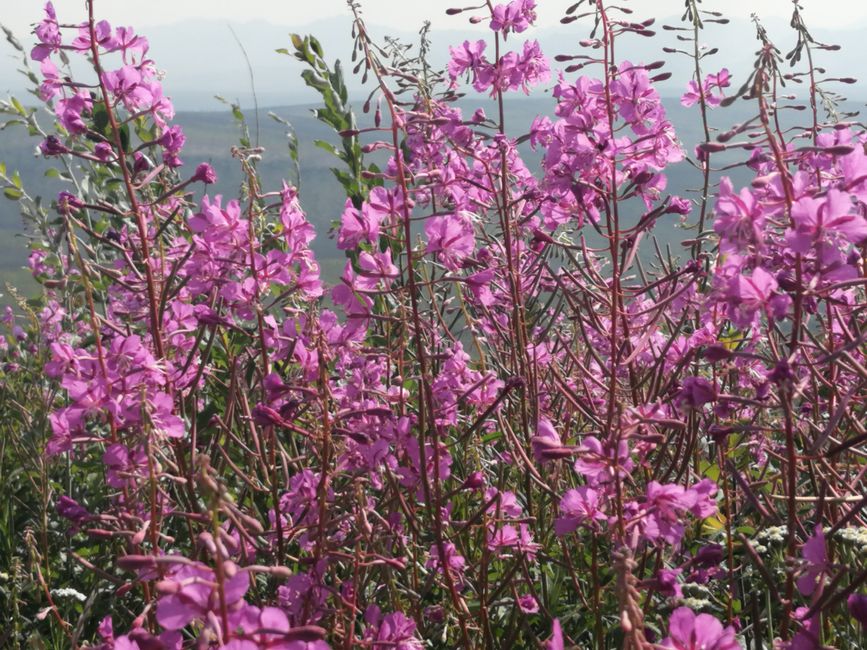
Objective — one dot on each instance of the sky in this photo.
(18, 14)
(192, 41)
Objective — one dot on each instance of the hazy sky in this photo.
(263, 25)
(18, 14)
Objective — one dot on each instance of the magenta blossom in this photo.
(528, 604)
(516, 16)
(665, 506)
(748, 297)
(816, 218)
(355, 228)
(857, 604)
(468, 57)
(711, 88)
(578, 507)
(451, 238)
(686, 631)
(192, 593)
(393, 631)
(598, 463)
(815, 556)
(556, 640)
(48, 35)
(740, 219)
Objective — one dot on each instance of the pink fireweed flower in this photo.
(102, 36)
(516, 16)
(161, 417)
(215, 224)
(71, 109)
(356, 305)
(556, 640)
(508, 537)
(480, 287)
(665, 505)
(48, 34)
(695, 392)
(192, 592)
(528, 604)
(269, 627)
(637, 100)
(387, 206)
(455, 562)
(712, 88)
(136, 639)
(740, 220)
(546, 444)
(857, 604)
(468, 57)
(686, 631)
(815, 556)
(393, 631)
(72, 511)
(451, 237)
(356, 226)
(128, 85)
(505, 503)
(816, 218)
(376, 270)
(205, 174)
(666, 583)
(513, 71)
(578, 507)
(52, 81)
(303, 598)
(531, 69)
(129, 43)
(809, 636)
(747, 297)
(172, 141)
(298, 232)
(597, 461)
(123, 465)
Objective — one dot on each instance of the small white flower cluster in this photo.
(66, 592)
(697, 604)
(769, 537)
(855, 535)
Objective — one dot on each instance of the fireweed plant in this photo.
(513, 422)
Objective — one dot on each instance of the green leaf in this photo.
(327, 146)
(124, 137)
(12, 193)
(100, 118)
(18, 107)
(710, 470)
